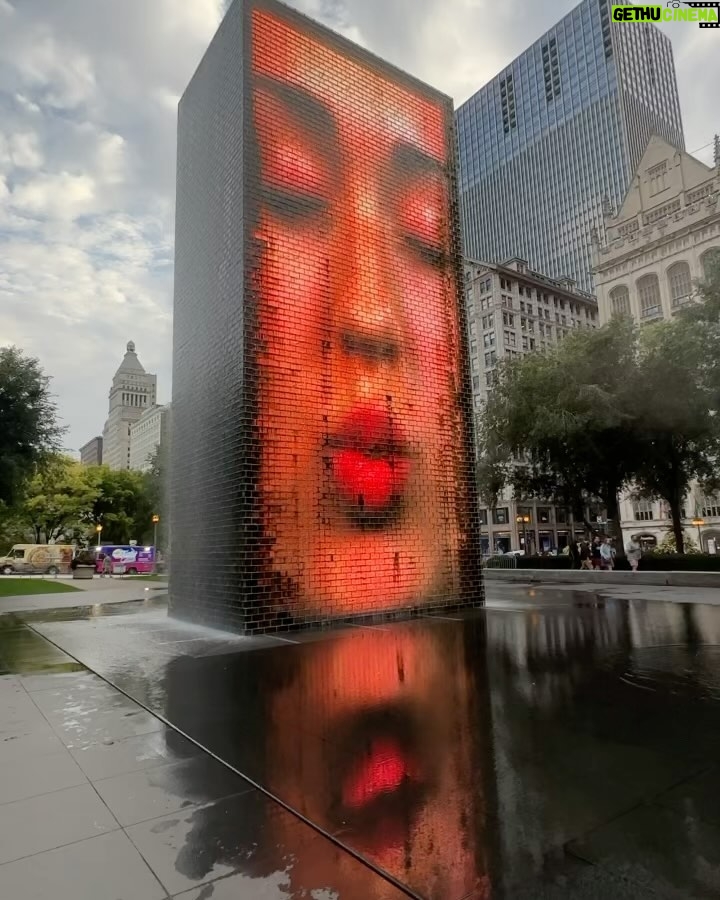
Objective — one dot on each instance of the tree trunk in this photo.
(613, 514)
(677, 525)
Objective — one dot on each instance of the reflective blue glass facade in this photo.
(556, 132)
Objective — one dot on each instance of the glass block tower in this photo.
(554, 139)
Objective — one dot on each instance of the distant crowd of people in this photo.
(600, 553)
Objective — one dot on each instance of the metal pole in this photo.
(155, 525)
(699, 540)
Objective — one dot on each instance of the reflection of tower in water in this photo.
(381, 737)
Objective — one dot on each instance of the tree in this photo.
(122, 505)
(58, 500)
(676, 423)
(558, 425)
(668, 545)
(156, 492)
(29, 431)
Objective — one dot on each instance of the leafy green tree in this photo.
(156, 481)
(669, 545)
(558, 426)
(58, 500)
(121, 505)
(676, 422)
(29, 430)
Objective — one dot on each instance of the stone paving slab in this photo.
(90, 809)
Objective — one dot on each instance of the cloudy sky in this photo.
(88, 94)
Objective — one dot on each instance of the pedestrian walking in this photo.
(595, 553)
(585, 555)
(106, 567)
(574, 552)
(633, 551)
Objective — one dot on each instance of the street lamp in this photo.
(98, 529)
(524, 520)
(155, 521)
(697, 521)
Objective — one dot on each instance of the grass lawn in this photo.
(19, 587)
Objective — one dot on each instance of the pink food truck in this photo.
(126, 559)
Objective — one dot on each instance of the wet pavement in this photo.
(557, 744)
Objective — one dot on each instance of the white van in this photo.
(37, 559)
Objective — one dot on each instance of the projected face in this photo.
(359, 377)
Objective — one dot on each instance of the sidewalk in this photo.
(100, 800)
(91, 593)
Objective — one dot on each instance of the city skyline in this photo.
(87, 156)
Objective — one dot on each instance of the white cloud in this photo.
(87, 154)
(61, 196)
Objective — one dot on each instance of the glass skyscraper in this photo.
(558, 134)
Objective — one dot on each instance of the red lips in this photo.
(370, 467)
(383, 771)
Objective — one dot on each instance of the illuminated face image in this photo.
(363, 462)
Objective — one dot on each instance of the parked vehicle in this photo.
(126, 559)
(37, 559)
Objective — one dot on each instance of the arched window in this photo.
(648, 288)
(680, 283)
(709, 260)
(620, 300)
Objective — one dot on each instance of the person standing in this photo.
(633, 551)
(574, 554)
(595, 553)
(585, 555)
(607, 555)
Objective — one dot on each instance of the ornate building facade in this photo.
(662, 239)
(654, 250)
(132, 393)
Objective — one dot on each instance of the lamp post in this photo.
(524, 520)
(697, 521)
(155, 521)
(98, 529)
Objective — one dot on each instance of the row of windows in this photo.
(501, 515)
(646, 511)
(679, 283)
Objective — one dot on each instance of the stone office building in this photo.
(513, 310)
(133, 391)
(664, 238)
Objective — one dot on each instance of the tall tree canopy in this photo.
(29, 429)
(609, 408)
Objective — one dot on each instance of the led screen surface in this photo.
(356, 435)
(360, 377)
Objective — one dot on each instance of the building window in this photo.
(649, 294)
(508, 320)
(500, 516)
(483, 517)
(490, 359)
(710, 260)
(710, 506)
(551, 69)
(510, 339)
(680, 283)
(543, 514)
(620, 300)
(507, 103)
(656, 176)
(643, 511)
